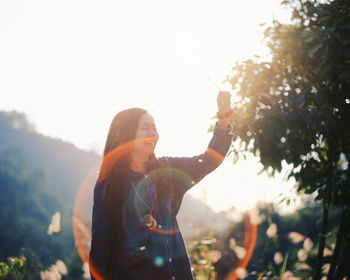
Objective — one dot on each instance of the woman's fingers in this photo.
(224, 101)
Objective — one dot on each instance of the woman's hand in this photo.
(224, 102)
(224, 106)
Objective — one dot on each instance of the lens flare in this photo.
(113, 156)
(82, 216)
(215, 155)
(159, 261)
(250, 235)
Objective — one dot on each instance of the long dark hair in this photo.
(116, 165)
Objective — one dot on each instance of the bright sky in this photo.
(71, 65)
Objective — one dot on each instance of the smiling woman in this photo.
(147, 133)
(135, 234)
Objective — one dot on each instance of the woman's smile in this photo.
(147, 133)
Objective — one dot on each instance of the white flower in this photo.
(233, 243)
(302, 266)
(296, 237)
(55, 225)
(272, 230)
(43, 275)
(240, 252)
(288, 275)
(208, 241)
(86, 270)
(327, 252)
(302, 256)
(214, 255)
(50, 274)
(54, 272)
(278, 258)
(241, 272)
(254, 217)
(308, 244)
(61, 267)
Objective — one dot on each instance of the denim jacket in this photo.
(165, 248)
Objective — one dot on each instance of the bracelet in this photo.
(224, 116)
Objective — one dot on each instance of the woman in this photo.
(135, 234)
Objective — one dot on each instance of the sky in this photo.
(71, 65)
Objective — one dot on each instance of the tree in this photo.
(27, 266)
(27, 202)
(298, 107)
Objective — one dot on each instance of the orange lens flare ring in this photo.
(250, 236)
(214, 155)
(81, 231)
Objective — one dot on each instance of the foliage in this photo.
(297, 256)
(74, 266)
(26, 206)
(299, 106)
(13, 269)
(27, 266)
(203, 254)
(298, 103)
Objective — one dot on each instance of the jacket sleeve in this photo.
(101, 243)
(188, 171)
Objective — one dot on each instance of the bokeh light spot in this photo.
(158, 261)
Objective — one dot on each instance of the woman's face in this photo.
(146, 135)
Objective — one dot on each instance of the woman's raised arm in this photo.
(187, 171)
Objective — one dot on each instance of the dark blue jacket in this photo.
(165, 248)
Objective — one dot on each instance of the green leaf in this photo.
(284, 266)
(235, 158)
(311, 63)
